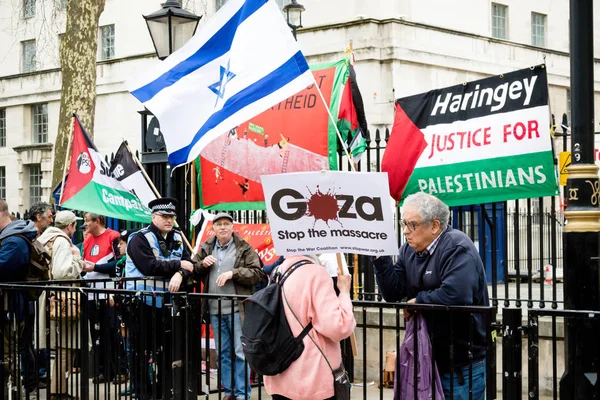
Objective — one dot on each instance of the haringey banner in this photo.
(484, 141)
(330, 212)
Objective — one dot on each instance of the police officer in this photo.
(154, 251)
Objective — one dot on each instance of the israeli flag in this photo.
(243, 61)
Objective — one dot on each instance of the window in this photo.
(107, 35)
(2, 130)
(219, 4)
(29, 50)
(499, 13)
(538, 29)
(39, 113)
(35, 183)
(61, 36)
(2, 182)
(28, 8)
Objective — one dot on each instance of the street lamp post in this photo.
(293, 15)
(582, 214)
(170, 28)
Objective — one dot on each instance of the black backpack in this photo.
(267, 340)
(38, 268)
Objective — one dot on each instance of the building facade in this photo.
(401, 48)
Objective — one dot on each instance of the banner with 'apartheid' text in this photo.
(483, 141)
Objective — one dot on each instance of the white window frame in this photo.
(107, 42)
(28, 9)
(35, 183)
(28, 52)
(3, 127)
(538, 29)
(499, 22)
(39, 122)
(3, 182)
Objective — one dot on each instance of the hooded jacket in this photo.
(14, 261)
(64, 265)
(14, 251)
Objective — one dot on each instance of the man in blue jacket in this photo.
(440, 265)
(14, 260)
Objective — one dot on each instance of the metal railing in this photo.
(113, 343)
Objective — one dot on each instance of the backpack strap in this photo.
(25, 238)
(282, 279)
(291, 270)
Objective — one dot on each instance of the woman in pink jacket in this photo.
(310, 294)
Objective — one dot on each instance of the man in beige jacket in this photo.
(66, 265)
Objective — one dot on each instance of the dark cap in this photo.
(125, 235)
(163, 205)
(222, 215)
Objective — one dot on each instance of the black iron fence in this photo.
(106, 342)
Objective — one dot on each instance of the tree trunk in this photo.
(78, 52)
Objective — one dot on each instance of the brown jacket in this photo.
(246, 270)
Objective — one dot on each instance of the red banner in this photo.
(257, 235)
(294, 135)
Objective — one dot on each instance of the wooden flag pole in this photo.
(194, 199)
(341, 272)
(355, 276)
(67, 154)
(156, 192)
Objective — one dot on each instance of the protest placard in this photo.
(330, 212)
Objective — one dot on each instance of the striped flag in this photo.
(243, 61)
(125, 170)
(479, 142)
(90, 187)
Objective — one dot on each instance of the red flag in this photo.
(82, 167)
(404, 147)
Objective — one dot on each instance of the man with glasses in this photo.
(154, 251)
(440, 265)
(228, 265)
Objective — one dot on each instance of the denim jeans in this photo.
(461, 392)
(231, 335)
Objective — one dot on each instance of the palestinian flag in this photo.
(404, 147)
(352, 122)
(90, 188)
(127, 171)
(478, 142)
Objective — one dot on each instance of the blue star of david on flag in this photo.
(218, 87)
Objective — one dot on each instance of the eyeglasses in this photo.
(167, 217)
(411, 225)
(223, 225)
